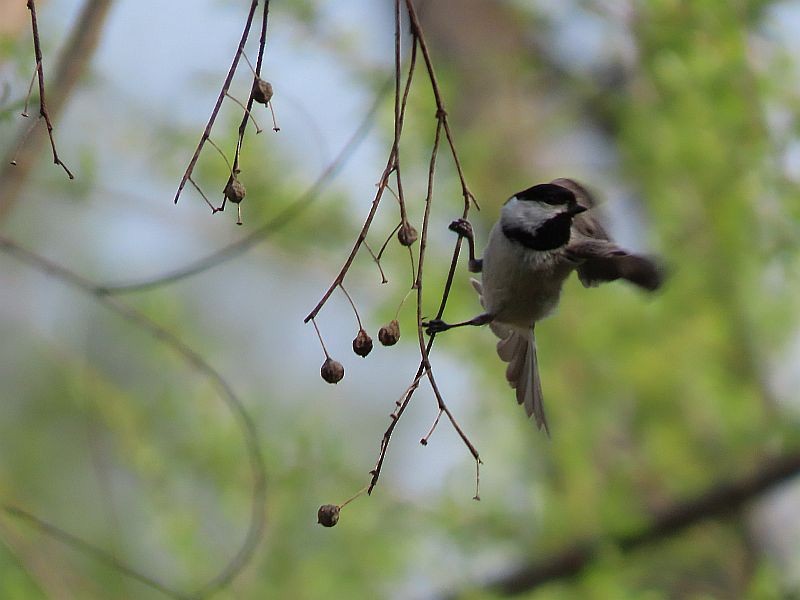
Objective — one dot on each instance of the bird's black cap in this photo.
(549, 193)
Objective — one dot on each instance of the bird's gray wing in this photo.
(602, 260)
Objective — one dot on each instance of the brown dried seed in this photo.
(328, 515)
(362, 344)
(407, 235)
(262, 91)
(332, 371)
(235, 191)
(389, 334)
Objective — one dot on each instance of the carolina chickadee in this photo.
(543, 234)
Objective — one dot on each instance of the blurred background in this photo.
(680, 115)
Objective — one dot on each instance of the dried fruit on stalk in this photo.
(328, 515)
(332, 371)
(407, 235)
(235, 191)
(262, 91)
(362, 344)
(389, 334)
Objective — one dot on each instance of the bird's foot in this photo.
(462, 227)
(435, 326)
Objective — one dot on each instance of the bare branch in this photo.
(282, 219)
(719, 501)
(223, 92)
(73, 59)
(43, 113)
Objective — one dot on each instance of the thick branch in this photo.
(720, 500)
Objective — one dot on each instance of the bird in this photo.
(544, 234)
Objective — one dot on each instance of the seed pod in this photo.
(235, 190)
(328, 515)
(362, 344)
(389, 334)
(407, 235)
(262, 91)
(332, 371)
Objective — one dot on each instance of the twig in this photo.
(256, 524)
(718, 501)
(225, 86)
(420, 267)
(30, 91)
(43, 112)
(353, 305)
(425, 365)
(416, 29)
(262, 44)
(282, 219)
(247, 112)
(76, 54)
(377, 260)
(392, 166)
(382, 183)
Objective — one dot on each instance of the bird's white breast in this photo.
(520, 285)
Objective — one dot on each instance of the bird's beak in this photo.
(576, 210)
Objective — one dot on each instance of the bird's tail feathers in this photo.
(517, 347)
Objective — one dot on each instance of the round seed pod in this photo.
(407, 235)
(389, 334)
(332, 371)
(328, 515)
(262, 91)
(362, 344)
(235, 191)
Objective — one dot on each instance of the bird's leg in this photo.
(464, 229)
(438, 326)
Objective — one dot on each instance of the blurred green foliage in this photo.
(650, 399)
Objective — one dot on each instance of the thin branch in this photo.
(282, 219)
(76, 54)
(719, 501)
(377, 260)
(416, 29)
(30, 90)
(43, 112)
(225, 86)
(382, 183)
(425, 348)
(353, 305)
(256, 523)
(247, 112)
(262, 44)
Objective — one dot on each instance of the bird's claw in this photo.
(462, 227)
(435, 326)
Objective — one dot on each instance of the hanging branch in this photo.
(39, 71)
(407, 236)
(416, 30)
(187, 175)
(256, 523)
(382, 183)
(289, 214)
